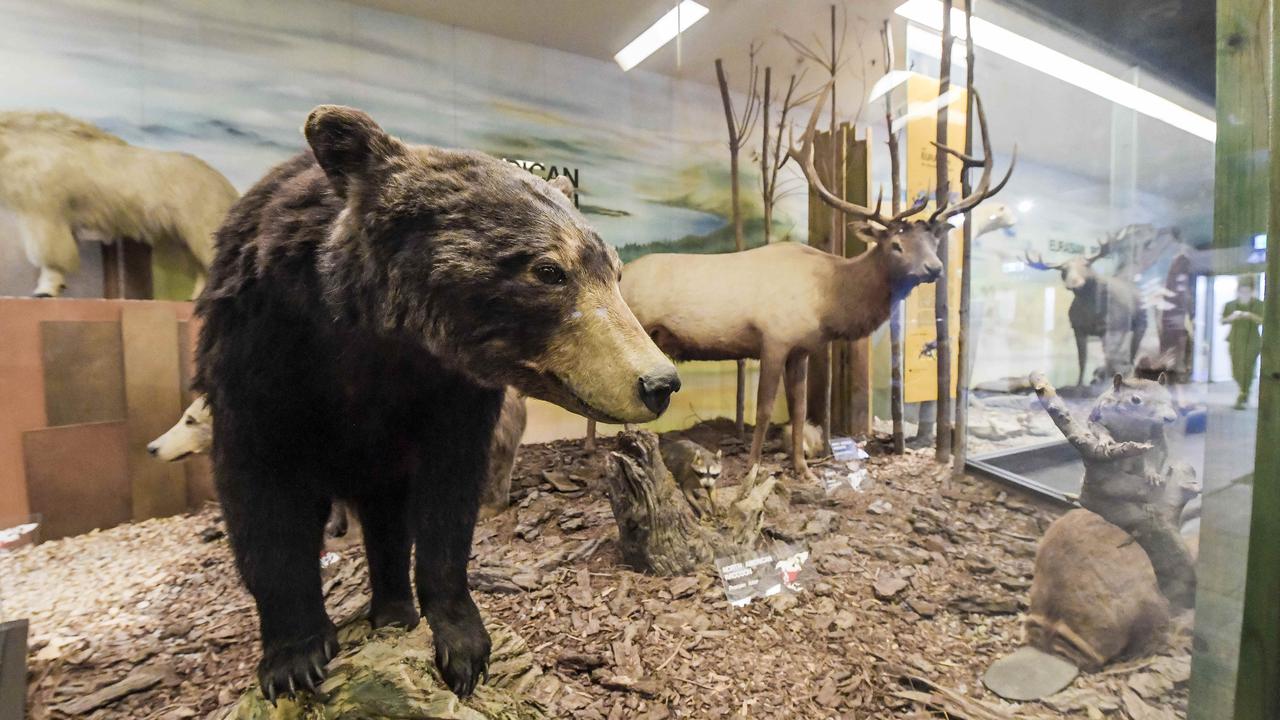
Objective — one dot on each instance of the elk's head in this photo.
(1077, 272)
(908, 248)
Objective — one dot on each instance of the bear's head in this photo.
(487, 266)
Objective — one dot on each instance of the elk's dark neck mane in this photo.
(862, 297)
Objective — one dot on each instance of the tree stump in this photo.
(658, 532)
(391, 673)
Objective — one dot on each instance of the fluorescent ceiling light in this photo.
(992, 37)
(677, 20)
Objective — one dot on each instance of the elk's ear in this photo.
(1117, 381)
(563, 184)
(349, 146)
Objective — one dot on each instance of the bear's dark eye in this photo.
(1135, 400)
(549, 274)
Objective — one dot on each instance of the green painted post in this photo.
(1258, 677)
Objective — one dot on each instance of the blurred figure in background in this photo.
(1244, 341)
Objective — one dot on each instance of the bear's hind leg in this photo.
(385, 522)
(277, 532)
(446, 503)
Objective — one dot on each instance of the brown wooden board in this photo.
(83, 372)
(77, 477)
(150, 334)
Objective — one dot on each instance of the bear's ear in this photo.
(347, 144)
(563, 184)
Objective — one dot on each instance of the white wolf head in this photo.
(191, 435)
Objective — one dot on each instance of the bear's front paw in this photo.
(289, 667)
(462, 655)
(400, 613)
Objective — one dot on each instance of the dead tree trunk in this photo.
(964, 368)
(837, 228)
(657, 530)
(941, 314)
(739, 128)
(895, 313)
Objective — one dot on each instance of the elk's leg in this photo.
(797, 405)
(770, 373)
(1082, 351)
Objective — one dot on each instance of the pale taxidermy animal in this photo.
(65, 179)
(813, 446)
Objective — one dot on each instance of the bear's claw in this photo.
(462, 657)
(297, 666)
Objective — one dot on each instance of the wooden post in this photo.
(1245, 42)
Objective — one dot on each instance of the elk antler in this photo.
(804, 158)
(983, 190)
(1038, 262)
(1104, 249)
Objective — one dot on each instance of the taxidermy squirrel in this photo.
(695, 470)
(1128, 478)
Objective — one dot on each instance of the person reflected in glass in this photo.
(1244, 341)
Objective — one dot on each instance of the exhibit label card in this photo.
(748, 576)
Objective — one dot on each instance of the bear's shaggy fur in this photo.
(367, 304)
(63, 177)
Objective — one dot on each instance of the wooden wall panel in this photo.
(83, 372)
(154, 402)
(78, 477)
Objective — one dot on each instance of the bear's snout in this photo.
(656, 388)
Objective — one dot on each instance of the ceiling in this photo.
(598, 29)
(1064, 127)
(1172, 38)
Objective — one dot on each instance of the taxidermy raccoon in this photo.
(695, 470)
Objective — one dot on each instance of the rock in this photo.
(821, 523)
(985, 604)
(887, 587)
(1139, 710)
(1077, 700)
(684, 586)
(582, 662)
(834, 565)
(560, 481)
(139, 679)
(211, 534)
(922, 608)
(392, 673)
(783, 602)
(880, 507)
(1150, 685)
(1029, 674)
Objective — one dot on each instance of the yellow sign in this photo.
(920, 368)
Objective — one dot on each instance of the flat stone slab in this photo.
(1029, 674)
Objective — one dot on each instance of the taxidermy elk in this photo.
(784, 301)
(1103, 307)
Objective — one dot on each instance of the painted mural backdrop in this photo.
(232, 82)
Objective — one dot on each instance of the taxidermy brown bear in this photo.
(367, 303)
